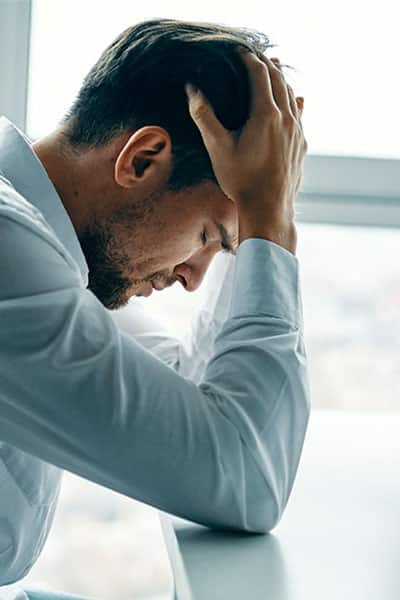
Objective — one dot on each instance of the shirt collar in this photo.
(22, 167)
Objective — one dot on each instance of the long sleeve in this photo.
(79, 393)
(190, 353)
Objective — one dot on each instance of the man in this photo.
(137, 189)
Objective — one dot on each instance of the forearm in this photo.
(105, 409)
(190, 353)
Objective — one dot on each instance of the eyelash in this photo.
(204, 240)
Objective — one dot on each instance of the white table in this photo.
(339, 538)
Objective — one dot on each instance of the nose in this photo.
(191, 272)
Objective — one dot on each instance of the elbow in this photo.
(248, 504)
(264, 487)
(267, 516)
(261, 502)
(262, 516)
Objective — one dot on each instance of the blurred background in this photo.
(345, 57)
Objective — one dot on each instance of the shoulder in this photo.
(16, 207)
(32, 258)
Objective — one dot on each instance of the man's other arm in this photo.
(79, 393)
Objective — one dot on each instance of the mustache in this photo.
(162, 278)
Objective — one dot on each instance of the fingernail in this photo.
(191, 90)
(276, 62)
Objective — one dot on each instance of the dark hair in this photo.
(139, 80)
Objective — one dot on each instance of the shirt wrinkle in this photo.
(94, 392)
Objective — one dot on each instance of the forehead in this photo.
(209, 199)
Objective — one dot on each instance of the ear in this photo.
(146, 153)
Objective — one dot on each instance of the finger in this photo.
(262, 97)
(293, 104)
(292, 99)
(202, 113)
(279, 85)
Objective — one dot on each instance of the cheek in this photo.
(179, 246)
(163, 250)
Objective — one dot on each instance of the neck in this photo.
(63, 170)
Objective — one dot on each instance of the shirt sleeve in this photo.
(83, 395)
(189, 353)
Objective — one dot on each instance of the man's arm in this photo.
(79, 393)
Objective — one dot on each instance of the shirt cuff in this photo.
(266, 281)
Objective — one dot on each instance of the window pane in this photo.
(346, 54)
(351, 296)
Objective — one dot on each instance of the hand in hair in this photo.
(259, 167)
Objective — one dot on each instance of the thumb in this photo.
(202, 113)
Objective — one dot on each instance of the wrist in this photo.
(282, 235)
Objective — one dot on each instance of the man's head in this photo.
(140, 188)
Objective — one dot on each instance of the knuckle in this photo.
(258, 67)
(199, 111)
(263, 59)
(290, 123)
(260, 63)
(275, 115)
(261, 72)
(277, 73)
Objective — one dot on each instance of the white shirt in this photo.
(211, 430)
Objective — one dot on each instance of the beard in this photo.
(109, 264)
(106, 266)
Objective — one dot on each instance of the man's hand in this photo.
(260, 169)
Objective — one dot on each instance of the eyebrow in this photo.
(226, 240)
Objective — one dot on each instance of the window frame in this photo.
(337, 190)
(346, 190)
(15, 36)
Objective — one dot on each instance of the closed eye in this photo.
(226, 246)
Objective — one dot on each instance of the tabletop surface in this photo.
(339, 537)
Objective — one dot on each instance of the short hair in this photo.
(139, 80)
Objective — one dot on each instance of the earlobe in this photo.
(146, 148)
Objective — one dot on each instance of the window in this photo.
(351, 297)
(346, 55)
(104, 546)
